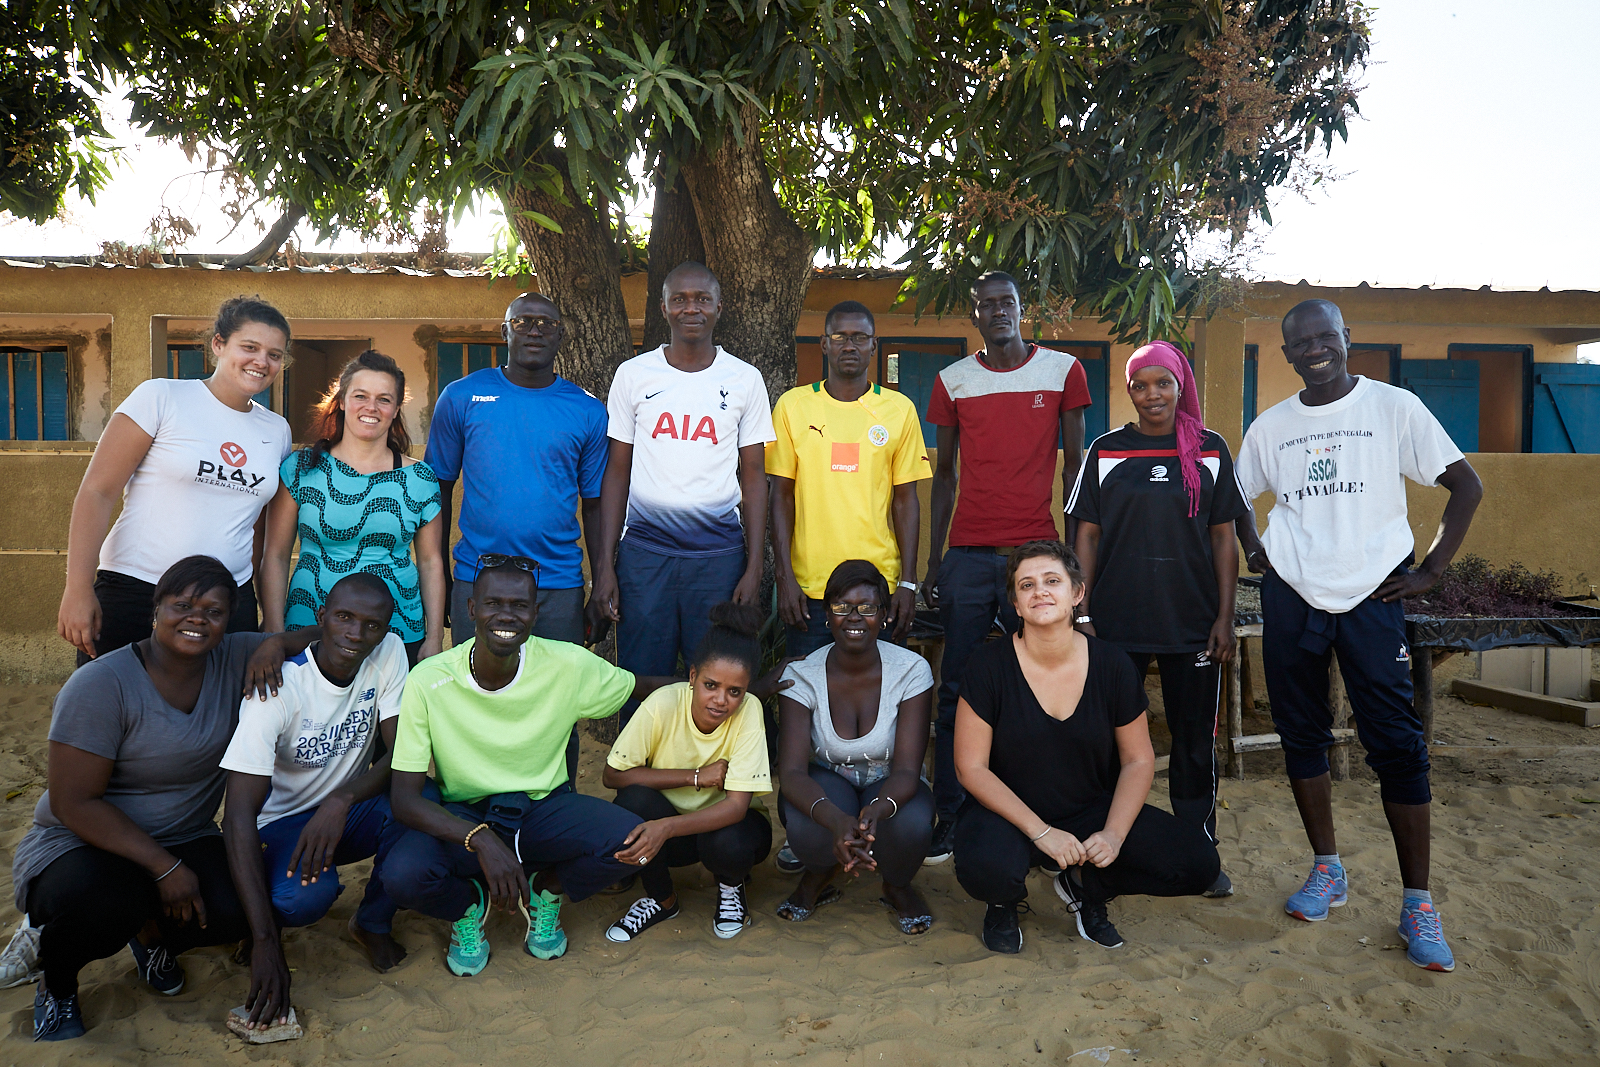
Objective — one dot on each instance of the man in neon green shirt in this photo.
(493, 715)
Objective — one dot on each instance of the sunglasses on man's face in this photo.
(534, 323)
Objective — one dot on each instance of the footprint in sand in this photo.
(378, 1033)
(1534, 913)
(530, 976)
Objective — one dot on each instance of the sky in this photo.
(1469, 166)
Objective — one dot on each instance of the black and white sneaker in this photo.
(787, 861)
(56, 1018)
(941, 847)
(1222, 887)
(733, 911)
(1002, 931)
(157, 967)
(1093, 922)
(645, 913)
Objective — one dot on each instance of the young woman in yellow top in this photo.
(690, 762)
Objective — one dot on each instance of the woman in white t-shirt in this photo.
(194, 464)
(852, 734)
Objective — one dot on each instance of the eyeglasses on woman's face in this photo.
(866, 611)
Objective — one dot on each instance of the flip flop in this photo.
(908, 923)
(796, 914)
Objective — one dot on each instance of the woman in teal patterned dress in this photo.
(358, 502)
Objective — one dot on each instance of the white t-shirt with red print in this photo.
(202, 485)
(1010, 424)
(686, 429)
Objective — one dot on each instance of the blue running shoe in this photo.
(1424, 937)
(546, 940)
(56, 1018)
(469, 946)
(1325, 888)
(158, 968)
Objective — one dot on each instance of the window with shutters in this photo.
(457, 359)
(33, 393)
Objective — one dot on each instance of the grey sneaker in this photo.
(19, 963)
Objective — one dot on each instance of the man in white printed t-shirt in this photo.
(305, 796)
(684, 501)
(1335, 557)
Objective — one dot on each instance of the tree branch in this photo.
(274, 239)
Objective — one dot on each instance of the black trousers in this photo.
(1191, 691)
(90, 903)
(127, 611)
(902, 839)
(1161, 857)
(728, 853)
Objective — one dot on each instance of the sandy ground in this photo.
(1199, 982)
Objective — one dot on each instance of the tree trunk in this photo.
(579, 270)
(674, 238)
(758, 252)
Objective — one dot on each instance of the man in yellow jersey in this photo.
(848, 455)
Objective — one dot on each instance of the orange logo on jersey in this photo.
(846, 457)
(232, 454)
(706, 427)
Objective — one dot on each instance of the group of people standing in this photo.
(1042, 754)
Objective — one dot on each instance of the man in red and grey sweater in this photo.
(1004, 410)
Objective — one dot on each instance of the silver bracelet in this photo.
(812, 814)
(896, 810)
(1046, 830)
(174, 867)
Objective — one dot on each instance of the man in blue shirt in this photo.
(528, 446)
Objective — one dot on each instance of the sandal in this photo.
(796, 914)
(910, 925)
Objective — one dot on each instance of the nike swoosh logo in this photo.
(647, 396)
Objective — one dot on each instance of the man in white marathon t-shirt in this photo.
(684, 501)
(1336, 557)
(305, 795)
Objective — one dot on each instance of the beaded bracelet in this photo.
(466, 842)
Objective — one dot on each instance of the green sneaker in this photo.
(469, 947)
(546, 939)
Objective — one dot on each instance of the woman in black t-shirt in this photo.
(1155, 502)
(1063, 778)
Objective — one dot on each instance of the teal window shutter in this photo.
(1449, 388)
(1252, 363)
(1566, 407)
(53, 394)
(33, 394)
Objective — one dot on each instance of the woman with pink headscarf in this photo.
(1155, 503)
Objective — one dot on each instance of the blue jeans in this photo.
(972, 594)
(666, 604)
(576, 835)
(302, 905)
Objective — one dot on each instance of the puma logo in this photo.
(818, 429)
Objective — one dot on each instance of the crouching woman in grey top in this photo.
(124, 848)
(852, 733)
